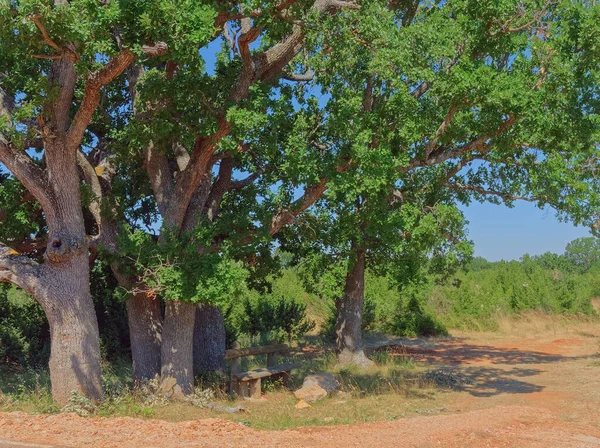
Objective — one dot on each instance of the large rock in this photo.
(310, 394)
(317, 387)
(324, 380)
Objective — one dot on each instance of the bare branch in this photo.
(155, 49)
(441, 130)
(487, 192)
(229, 38)
(481, 144)
(91, 178)
(219, 188)
(45, 56)
(196, 205)
(368, 95)
(421, 89)
(91, 96)
(536, 20)
(62, 51)
(243, 183)
(287, 216)
(161, 179)
(26, 171)
(299, 77)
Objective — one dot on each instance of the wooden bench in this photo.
(248, 384)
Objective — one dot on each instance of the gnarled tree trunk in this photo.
(144, 315)
(177, 346)
(209, 340)
(350, 311)
(145, 332)
(75, 343)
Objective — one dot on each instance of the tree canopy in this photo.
(175, 140)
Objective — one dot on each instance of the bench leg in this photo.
(287, 379)
(233, 388)
(243, 389)
(254, 388)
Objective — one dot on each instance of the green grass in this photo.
(391, 389)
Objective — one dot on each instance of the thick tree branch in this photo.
(299, 77)
(28, 245)
(257, 67)
(91, 95)
(219, 188)
(62, 51)
(287, 216)
(156, 49)
(26, 171)
(161, 179)
(481, 144)
(243, 183)
(441, 131)
(19, 270)
(91, 178)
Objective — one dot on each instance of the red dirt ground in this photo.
(540, 392)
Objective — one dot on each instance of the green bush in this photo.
(276, 315)
(411, 320)
(24, 331)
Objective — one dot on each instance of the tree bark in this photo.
(349, 313)
(145, 329)
(209, 340)
(177, 347)
(75, 342)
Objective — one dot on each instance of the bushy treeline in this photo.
(550, 283)
(293, 302)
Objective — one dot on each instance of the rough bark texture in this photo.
(209, 340)
(177, 346)
(75, 343)
(145, 330)
(349, 314)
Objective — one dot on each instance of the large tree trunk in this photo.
(209, 340)
(177, 366)
(349, 313)
(75, 343)
(61, 284)
(145, 333)
(145, 319)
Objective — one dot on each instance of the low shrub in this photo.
(262, 314)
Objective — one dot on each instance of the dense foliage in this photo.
(165, 146)
(473, 298)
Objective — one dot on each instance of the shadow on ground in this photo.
(488, 370)
(487, 382)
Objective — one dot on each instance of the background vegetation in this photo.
(296, 301)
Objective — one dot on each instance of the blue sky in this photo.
(506, 233)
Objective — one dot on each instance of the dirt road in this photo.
(536, 392)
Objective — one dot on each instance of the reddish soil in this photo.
(540, 392)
